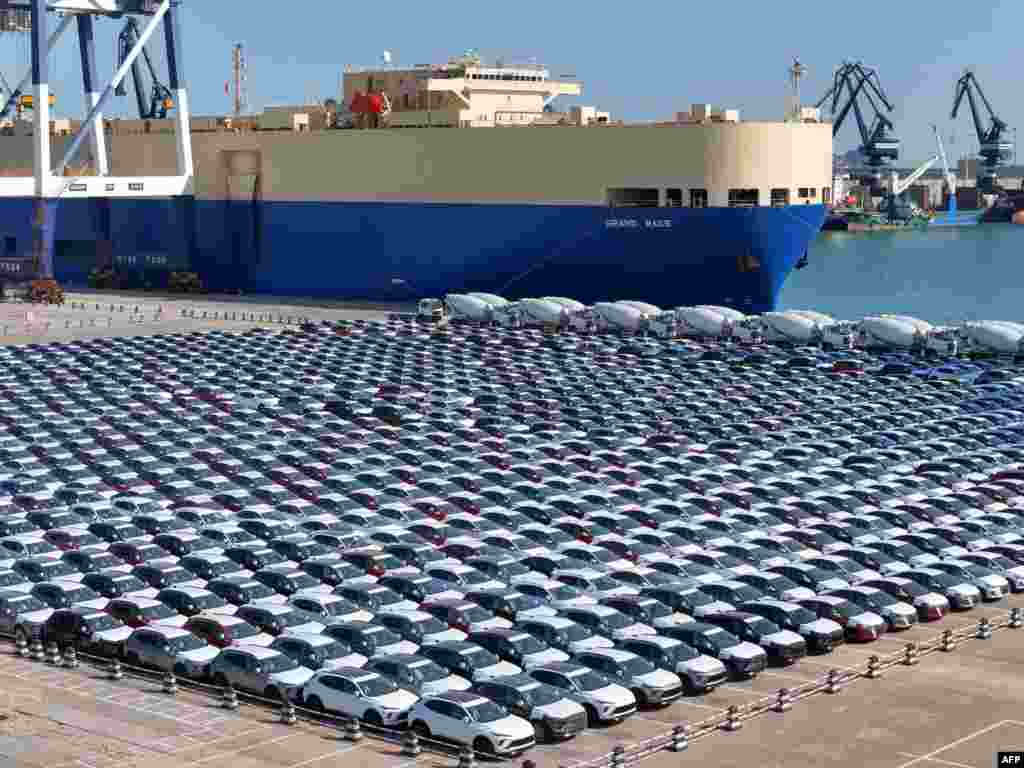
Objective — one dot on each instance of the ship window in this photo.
(826, 194)
(780, 197)
(698, 198)
(674, 198)
(743, 198)
(805, 192)
(633, 197)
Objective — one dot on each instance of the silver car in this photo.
(170, 649)
(259, 670)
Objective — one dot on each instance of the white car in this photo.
(360, 693)
(470, 719)
(605, 701)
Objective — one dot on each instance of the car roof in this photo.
(259, 651)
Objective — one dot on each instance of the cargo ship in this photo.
(458, 177)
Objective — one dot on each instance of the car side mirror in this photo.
(258, 670)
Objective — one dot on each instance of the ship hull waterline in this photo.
(392, 251)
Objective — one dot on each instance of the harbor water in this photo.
(942, 275)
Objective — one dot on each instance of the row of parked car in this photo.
(492, 536)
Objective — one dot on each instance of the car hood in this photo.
(867, 619)
(262, 638)
(496, 623)
(574, 602)
(784, 638)
(350, 660)
(834, 582)
(931, 600)
(450, 683)
(864, 574)
(614, 694)
(966, 590)
(824, 627)
(400, 700)
(635, 629)
(744, 569)
(924, 560)
(547, 656)
(178, 621)
(703, 664)
(899, 609)
(709, 578)
(797, 593)
(744, 650)
(501, 669)
(592, 642)
(718, 606)
(511, 727)
(539, 611)
(293, 678)
(203, 655)
(115, 635)
(659, 678)
(994, 580)
(443, 636)
(402, 646)
(673, 620)
(558, 710)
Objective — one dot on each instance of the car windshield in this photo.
(563, 593)
(617, 621)
(303, 581)
(291, 619)
(999, 562)
(222, 567)
(604, 583)
(333, 650)
(428, 671)
(589, 681)
(783, 583)
(978, 570)
(941, 579)
(681, 652)
(637, 666)
(257, 591)
(474, 577)
(244, 629)
(431, 586)
(129, 584)
(378, 636)
(540, 695)
(721, 639)
(801, 616)
(474, 613)
(883, 599)
(762, 626)
(527, 644)
(103, 622)
(385, 596)
(184, 643)
(279, 663)
(696, 598)
(656, 610)
(431, 625)
(208, 601)
(727, 561)
(576, 632)
(486, 712)
(480, 658)
(158, 611)
(377, 686)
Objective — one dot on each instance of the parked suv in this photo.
(468, 718)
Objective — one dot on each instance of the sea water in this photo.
(943, 275)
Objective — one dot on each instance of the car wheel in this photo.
(314, 703)
(641, 698)
(21, 636)
(544, 732)
(483, 747)
(592, 718)
(373, 719)
(421, 729)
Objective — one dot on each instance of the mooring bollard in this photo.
(910, 654)
(229, 697)
(170, 684)
(984, 629)
(287, 711)
(411, 744)
(21, 646)
(680, 739)
(732, 719)
(353, 731)
(38, 654)
(52, 653)
(783, 701)
(1016, 619)
(832, 683)
(947, 644)
(115, 672)
(71, 657)
(468, 760)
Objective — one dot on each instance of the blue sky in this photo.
(642, 61)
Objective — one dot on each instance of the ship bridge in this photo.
(463, 93)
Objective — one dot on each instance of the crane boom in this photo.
(160, 99)
(994, 150)
(902, 185)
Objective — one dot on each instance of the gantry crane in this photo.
(160, 99)
(878, 144)
(994, 151)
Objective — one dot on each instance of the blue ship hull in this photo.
(401, 251)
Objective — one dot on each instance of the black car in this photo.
(460, 658)
(817, 633)
(784, 648)
(528, 698)
(87, 629)
(506, 603)
(113, 583)
(741, 658)
(239, 589)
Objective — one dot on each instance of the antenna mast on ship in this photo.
(49, 184)
(239, 73)
(796, 73)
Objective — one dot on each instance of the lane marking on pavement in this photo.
(334, 753)
(958, 742)
(938, 760)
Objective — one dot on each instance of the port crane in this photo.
(853, 81)
(995, 150)
(160, 99)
